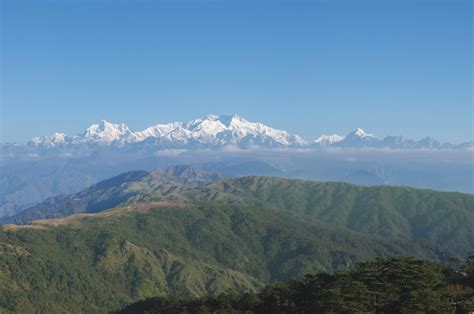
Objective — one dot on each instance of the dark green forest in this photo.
(445, 218)
(396, 285)
(101, 262)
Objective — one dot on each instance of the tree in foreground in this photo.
(396, 285)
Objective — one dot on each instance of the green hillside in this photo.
(444, 218)
(100, 262)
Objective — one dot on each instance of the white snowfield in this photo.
(217, 131)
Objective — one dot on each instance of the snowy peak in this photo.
(58, 137)
(106, 132)
(357, 139)
(326, 140)
(210, 125)
(234, 130)
(49, 141)
(360, 133)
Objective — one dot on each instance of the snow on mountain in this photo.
(224, 130)
(220, 130)
(360, 134)
(49, 141)
(357, 138)
(106, 132)
(211, 131)
(215, 131)
(209, 126)
(327, 140)
(158, 131)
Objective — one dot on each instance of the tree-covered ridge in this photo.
(396, 285)
(445, 218)
(102, 262)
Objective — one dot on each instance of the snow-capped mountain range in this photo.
(219, 131)
(212, 131)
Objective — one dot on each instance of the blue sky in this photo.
(309, 67)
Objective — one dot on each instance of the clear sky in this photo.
(310, 67)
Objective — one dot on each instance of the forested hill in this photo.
(444, 218)
(441, 218)
(100, 262)
(398, 285)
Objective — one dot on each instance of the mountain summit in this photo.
(106, 132)
(360, 133)
(214, 131)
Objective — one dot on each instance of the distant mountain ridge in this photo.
(215, 131)
(118, 190)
